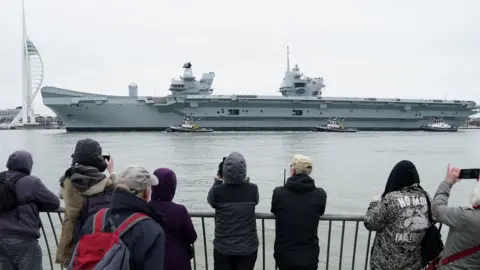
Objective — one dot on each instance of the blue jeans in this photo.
(19, 254)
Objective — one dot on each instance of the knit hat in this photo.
(88, 152)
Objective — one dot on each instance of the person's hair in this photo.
(403, 174)
(476, 195)
(138, 193)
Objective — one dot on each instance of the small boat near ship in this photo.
(188, 126)
(333, 125)
(439, 125)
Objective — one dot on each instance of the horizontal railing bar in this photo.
(211, 214)
(338, 253)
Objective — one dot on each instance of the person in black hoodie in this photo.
(234, 199)
(298, 206)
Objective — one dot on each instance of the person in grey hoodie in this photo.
(463, 223)
(234, 199)
(20, 228)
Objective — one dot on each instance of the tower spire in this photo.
(288, 58)
(32, 76)
(25, 105)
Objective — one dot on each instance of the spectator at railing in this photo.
(462, 248)
(85, 178)
(400, 218)
(22, 196)
(236, 241)
(298, 206)
(179, 231)
(145, 240)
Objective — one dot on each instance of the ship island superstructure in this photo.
(301, 106)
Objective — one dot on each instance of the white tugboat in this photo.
(188, 125)
(438, 125)
(333, 125)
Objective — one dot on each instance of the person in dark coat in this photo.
(84, 179)
(298, 206)
(179, 231)
(234, 200)
(146, 239)
(20, 228)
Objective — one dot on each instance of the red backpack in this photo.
(104, 250)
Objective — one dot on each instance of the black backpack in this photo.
(90, 207)
(432, 244)
(8, 196)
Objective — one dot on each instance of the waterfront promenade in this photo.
(344, 241)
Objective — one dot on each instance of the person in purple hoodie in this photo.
(20, 227)
(178, 226)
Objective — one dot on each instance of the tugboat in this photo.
(188, 126)
(438, 125)
(333, 126)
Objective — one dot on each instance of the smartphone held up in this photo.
(469, 174)
(106, 156)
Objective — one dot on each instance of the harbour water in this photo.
(352, 167)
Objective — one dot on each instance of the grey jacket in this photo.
(400, 221)
(33, 196)
(234, 201)
(464, 233)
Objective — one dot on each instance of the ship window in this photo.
(297, 112)
(299, 84)
(233, 112)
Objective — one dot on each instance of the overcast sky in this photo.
(369, 48)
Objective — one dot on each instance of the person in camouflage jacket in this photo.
(399, 217)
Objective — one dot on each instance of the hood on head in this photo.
(167, 185)
(403, 175)
(234, 169)
(300, 183)
(88, 152)
(20, 161)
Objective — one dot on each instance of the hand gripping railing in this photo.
(337, 254)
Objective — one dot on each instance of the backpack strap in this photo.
(99, 220)
(460, 255)
(14, 180)
(130, 222)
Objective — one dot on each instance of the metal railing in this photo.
(341, 253)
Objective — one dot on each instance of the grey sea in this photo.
(352, 168)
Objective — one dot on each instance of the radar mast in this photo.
(288, 58)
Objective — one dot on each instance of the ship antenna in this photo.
(288, 58)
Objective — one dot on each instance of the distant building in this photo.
(6, 116)
(474, 122)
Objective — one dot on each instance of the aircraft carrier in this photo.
(300, 106)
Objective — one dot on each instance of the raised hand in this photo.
(452, 174)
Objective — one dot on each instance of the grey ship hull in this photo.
(91, 112)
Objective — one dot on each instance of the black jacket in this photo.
(145, 240)
(297, 207)
(234, 202)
